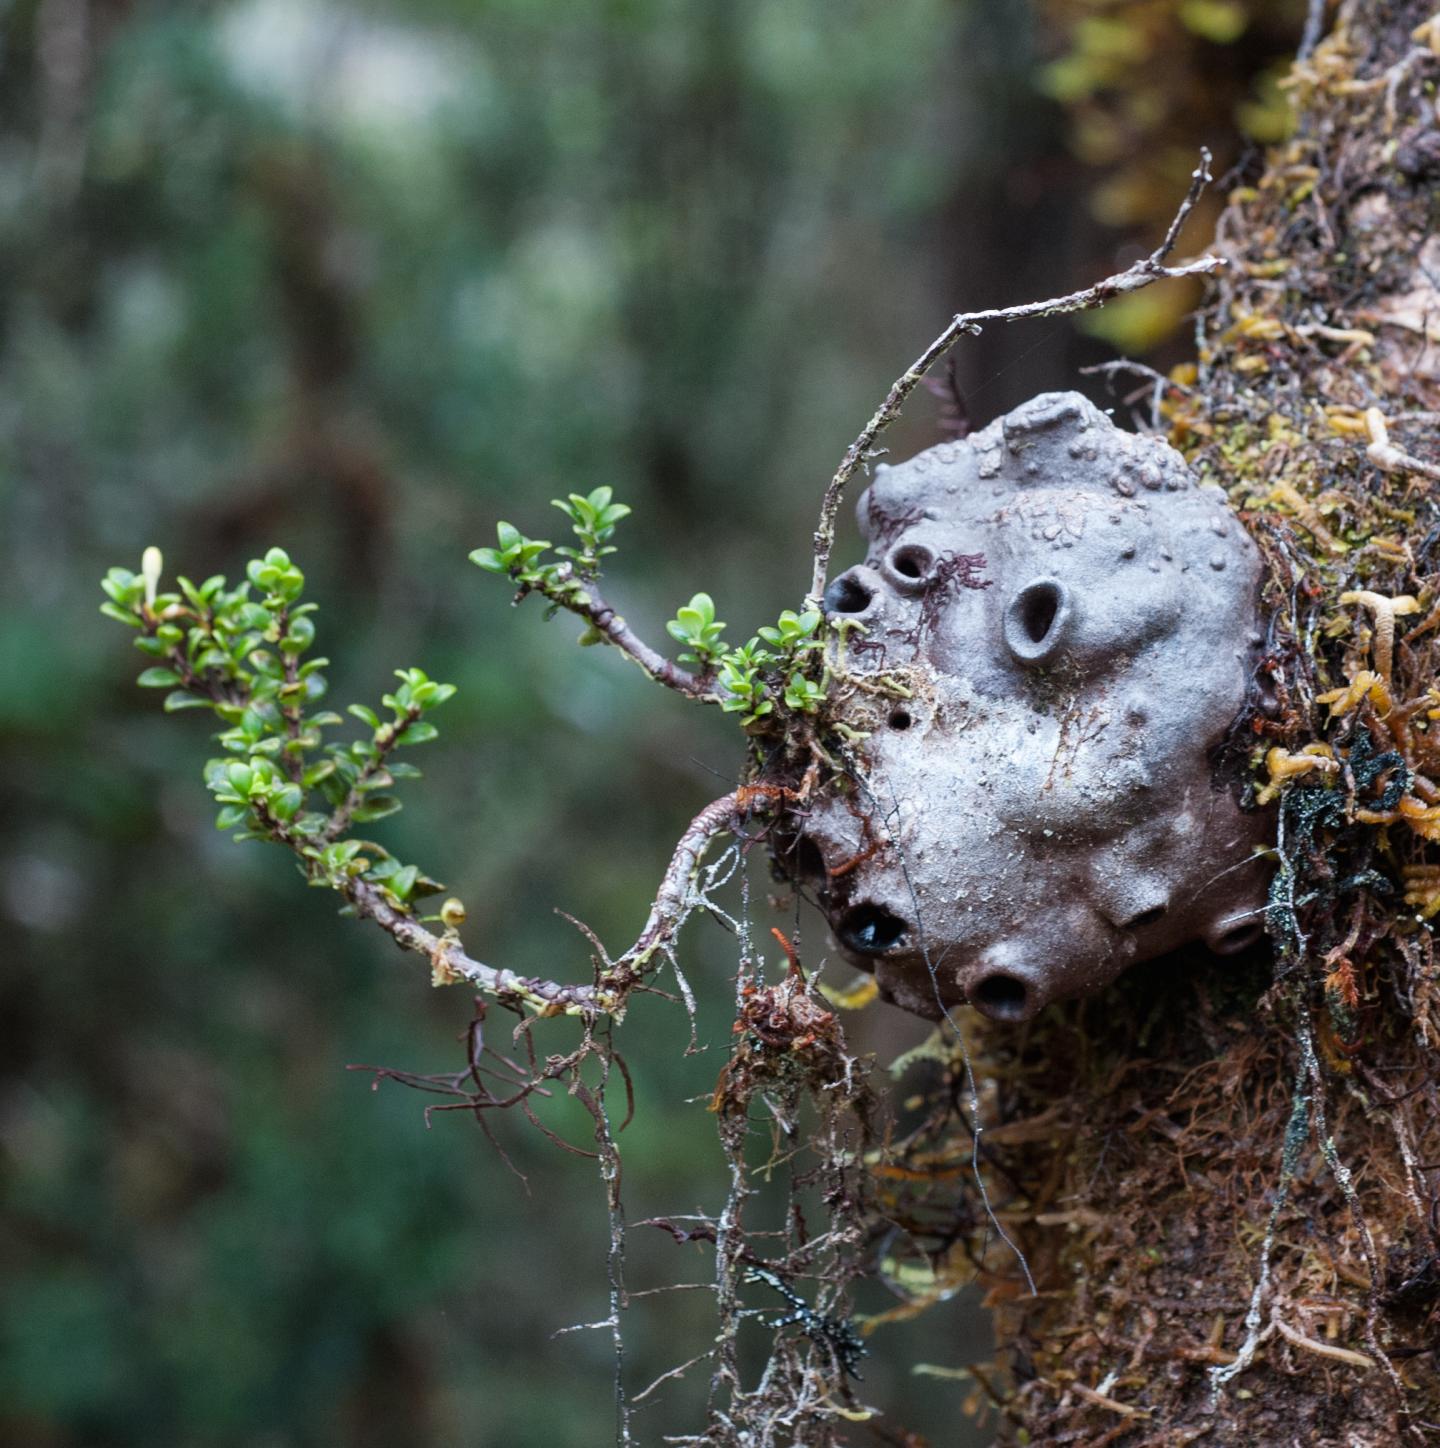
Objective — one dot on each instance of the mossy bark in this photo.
(1226, 1176)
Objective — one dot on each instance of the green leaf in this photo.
(300, 637)
(488, 559)
(179, 700)
(321, 770)
(285, 802)
(419, 732)
(120, 615)
(366, 715)
(695, 624)
(376, 808)
(158, 679)
(232, 815)
(123, 586)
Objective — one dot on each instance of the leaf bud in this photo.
(151, 564)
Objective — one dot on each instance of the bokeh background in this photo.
(359, 277)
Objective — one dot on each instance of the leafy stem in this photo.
(279, 780)
(373, 773)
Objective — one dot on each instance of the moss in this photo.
(1158, 1148)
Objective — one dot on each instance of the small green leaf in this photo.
(419, 732)
(285, 802)
(179, 700)
(321, 770)
(158, 679)
(376, 809)
(300, 637)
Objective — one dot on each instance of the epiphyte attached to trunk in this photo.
(1053, 630)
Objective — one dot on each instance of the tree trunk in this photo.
(1226, 1177)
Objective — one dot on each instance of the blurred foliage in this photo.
(364, 278)
(1144, 83)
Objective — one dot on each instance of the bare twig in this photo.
(585, 601)
(674, 1372)
(1341, 1172)
(552, 996)
(1314, 25)
(1156, 384)
(1149, 269)
(1124, 364)
(1104, 1400)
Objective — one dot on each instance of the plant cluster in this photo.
(241, 653)
(781, 664)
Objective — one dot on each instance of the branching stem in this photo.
(386, 740)
(674, 901)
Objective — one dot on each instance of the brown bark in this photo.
(1238, 1166)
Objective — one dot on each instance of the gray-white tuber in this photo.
(1058, 624)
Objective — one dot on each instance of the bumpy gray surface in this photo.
(1076, 617)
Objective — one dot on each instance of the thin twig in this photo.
(1314, 24)
(371, 903)
(387, 738)
(1149, 269)
(587, 603)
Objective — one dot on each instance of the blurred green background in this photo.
(359, 279)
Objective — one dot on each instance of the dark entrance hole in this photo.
(871, 929)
